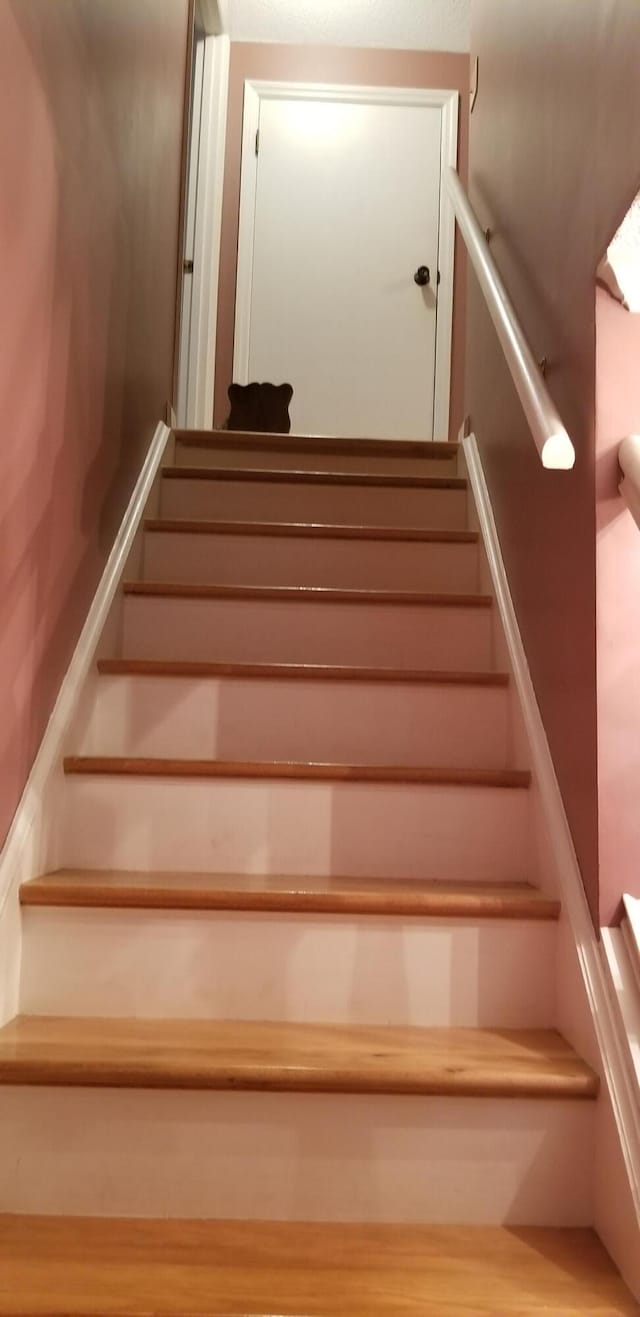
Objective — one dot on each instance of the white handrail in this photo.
(629, 459)
(551, 439)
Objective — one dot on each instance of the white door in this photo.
(344, 201)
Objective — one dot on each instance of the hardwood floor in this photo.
(118, 765)
(269, 892)
(310, 531)
(263, 1056)
(50, 1266)
(299, 594)
(239, 440)
(368, 479)
(126, 667)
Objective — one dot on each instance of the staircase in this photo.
(293, 983)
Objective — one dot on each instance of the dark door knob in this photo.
(422, 276)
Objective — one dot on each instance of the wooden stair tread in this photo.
(319, 443)
(309, 530)
(304, 772)
(283, 476)
(112, 1266)
(285, 1057)
(310, 594)
(290, 893)
(298, 671)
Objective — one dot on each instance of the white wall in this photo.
(390, 24)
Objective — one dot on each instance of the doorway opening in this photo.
(345, 255)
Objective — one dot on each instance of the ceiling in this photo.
(392, 24)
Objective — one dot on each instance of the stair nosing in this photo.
(306, 594)
(308, 530)
(462, 901)
(418, 449)
(284, 476)
(158, 766)
(265, 1056)
(199, 669)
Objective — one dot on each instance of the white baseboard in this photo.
(623, 987)
(29, 839)
(589, 952)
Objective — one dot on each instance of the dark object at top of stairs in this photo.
(261, 407)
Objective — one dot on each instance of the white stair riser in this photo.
(482, 834)
(345, 564)
(324, 721)
(263, 458)
(290, 1157)
(264, 500)
(345, 969)
(294, 631)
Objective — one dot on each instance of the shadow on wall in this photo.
(90, 138)
(618, 583)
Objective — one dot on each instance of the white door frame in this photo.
(198, 350)
(446, 100)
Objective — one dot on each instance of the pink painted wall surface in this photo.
(618, 608)
(384, 68)
(554, 152)
(91, 114)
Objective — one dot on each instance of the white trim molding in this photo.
(208, 227)
(589, 952)
(31, 840)
(631, 927)
(204, 207)
(625, 991)
(446, 269)
(619, 269)
(447, 101)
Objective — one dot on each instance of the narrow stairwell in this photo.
(292, 984)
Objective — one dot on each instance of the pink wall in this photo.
(618, 608)
(384, 68)
(554, 152)
(91, 115)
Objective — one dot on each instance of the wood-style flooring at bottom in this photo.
(74, 1266)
